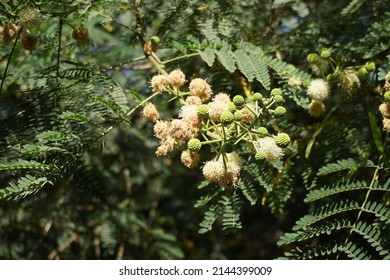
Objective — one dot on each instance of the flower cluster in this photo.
(29, 18)
(318, 91)
(218, 121)
(384, 108)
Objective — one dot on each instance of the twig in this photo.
(9, 60)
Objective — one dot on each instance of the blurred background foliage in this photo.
(116, 199)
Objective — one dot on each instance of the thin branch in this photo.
(9, 60)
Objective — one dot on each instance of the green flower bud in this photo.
(261, 156)
(276, 91)
(278, 98)
(194, 145)
(203, 111)
(313, 58)
(325, 53)
(282, 140)
(263, 131)
(362, 72)
(257, 96)
(155, 40)
(228, 147)
(280, 111)
(232, 107)
(370, 66)
(239, 101)
(227, 118)
(238, 116)
(386, 96)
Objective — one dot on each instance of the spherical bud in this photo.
(276, 91)
(28, 42)
(325, 53)
(227, 118)
(177, 78)
(282, 140)
(190, 159)
(261, 156)
(203, 111)
(384, 108)
(228, 147)
(239, 101)
(200, 88)
(278, 98)
(232, 107)
(29, 17)
(280, 111)
(370, 66)
(318, 89)
(312, 58)
(386, 96)
(159, 83)
(362, 72)
(238, 116)
(155, 40)
(194, 145)
(263, 131)
(316, 108)
(257, 96)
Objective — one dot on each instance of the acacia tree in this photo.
(117, 114)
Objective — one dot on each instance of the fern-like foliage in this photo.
(364, 239)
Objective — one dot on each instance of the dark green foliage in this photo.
(79, 178)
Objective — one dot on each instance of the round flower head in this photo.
(316, 108)
(200, 88)
(29, 17)
(80, 35)
(318, 89)
(28, 42)
(216, 109)
(193, 100)
(159, 83)
(177, 78)
(294, 82)
(213, 171)
(189, 114)
(384, 108)
(161, 129)
(179, 129)
(9, 32)
(386, 124)
(190, 159)
(269, 147)
(223, 97)
(231, 174)
(249, 117)
(166, 147)
(150, 112)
